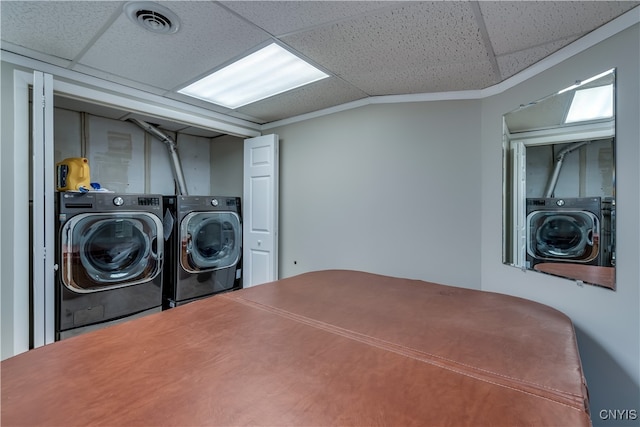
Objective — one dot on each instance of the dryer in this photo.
(110, 259)
(567, 230)
(204, 247)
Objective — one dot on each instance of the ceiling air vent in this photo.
(152, 17)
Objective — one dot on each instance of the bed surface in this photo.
(331, 347)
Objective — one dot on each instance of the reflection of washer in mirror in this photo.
(563, 230)
(566, 236)
(558, 182)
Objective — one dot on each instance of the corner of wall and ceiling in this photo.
(602, 33)
(240, 127)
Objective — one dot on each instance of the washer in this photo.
(204, 248)
(567, 230)
(110, 258)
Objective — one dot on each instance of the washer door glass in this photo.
(564, 236)
(104, 251)
(210, 241)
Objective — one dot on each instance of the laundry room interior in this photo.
(398, 163)
(124, 158)
(154, 215)
(588, 172)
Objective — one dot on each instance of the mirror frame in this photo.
(514, 190)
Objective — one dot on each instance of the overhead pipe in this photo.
(176, 166)
(559, 160)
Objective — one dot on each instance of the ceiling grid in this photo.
(370, 48)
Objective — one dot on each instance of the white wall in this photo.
(607, 323)
(67, 134)
(116, 153)
(227, 165)
(391, 189)
(158, 167)
(124, 158)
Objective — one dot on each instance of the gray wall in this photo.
(607, 323)
(390, 189)
(227, 165)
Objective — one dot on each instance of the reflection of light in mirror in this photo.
(591, 104)
(584, 82)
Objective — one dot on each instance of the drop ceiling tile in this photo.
(428, 78)
(57, 28)
(316, 96)
(394, 48)
(518, 25)
(374, 48)
(512, 63)
(208, 37)
(40, 56)
(280, 18)
(124, 81)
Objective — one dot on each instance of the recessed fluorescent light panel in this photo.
(591, 104)
(267, 72)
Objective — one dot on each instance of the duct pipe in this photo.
(553, 181)
(173, 153)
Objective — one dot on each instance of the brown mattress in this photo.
(323, 348)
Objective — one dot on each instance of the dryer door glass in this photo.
(101, 251)
(565, 235)
(210, 241)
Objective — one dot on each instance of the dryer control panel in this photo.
(148, 201)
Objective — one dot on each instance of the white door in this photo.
(260, 211)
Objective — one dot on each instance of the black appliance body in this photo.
(110, 256)
(575, 230)
(204, 249)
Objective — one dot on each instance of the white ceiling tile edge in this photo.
(600, 34)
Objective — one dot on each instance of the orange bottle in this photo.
(72, 174)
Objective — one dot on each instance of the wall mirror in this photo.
(559, 183)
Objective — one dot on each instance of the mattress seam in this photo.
(562, 398)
